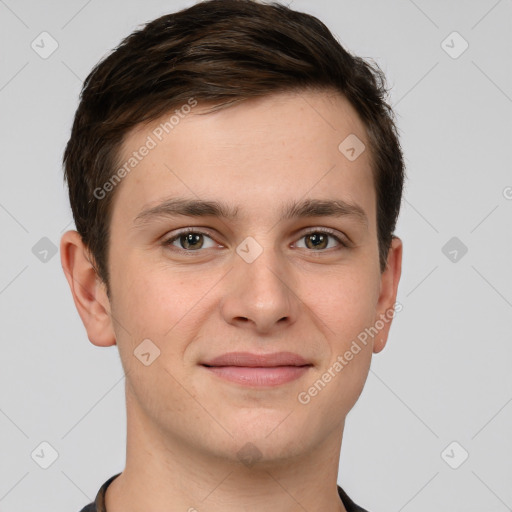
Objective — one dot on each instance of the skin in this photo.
(185, 425)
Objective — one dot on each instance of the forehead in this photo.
(274, 150)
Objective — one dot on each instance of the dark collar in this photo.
(99, 503)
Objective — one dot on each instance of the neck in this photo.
(166, 473)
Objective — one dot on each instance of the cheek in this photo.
(348, 307)
(158, 302)
(345, 300)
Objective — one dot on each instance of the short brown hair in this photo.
(220, 52)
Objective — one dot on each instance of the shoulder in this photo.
(89, 508)
(349, 504)
(98, 505)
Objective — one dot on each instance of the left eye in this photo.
(319, 240)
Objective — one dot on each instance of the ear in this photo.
(388, 290)
(89, 292)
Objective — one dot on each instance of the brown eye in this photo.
(190, 241)
(316, 241)
(320, 240)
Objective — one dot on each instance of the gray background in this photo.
(444, 375)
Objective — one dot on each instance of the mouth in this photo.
(258, 376)
(258, 369)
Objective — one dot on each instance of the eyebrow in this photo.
(201, 208)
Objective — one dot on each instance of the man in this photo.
(235, 178)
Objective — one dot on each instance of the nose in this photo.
(260, 295)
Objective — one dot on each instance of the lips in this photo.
(250, 360)
(258, 370)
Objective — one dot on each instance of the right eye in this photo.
(189, 240)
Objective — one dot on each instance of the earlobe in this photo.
(388, 292)
(88, 291)
(379, 344)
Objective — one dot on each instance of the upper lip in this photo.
(257, 360)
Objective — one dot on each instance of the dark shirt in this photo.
(99, 504)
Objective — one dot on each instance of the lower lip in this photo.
(259, 376)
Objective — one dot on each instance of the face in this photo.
(282, 258)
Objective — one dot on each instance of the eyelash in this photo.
(324, 231)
